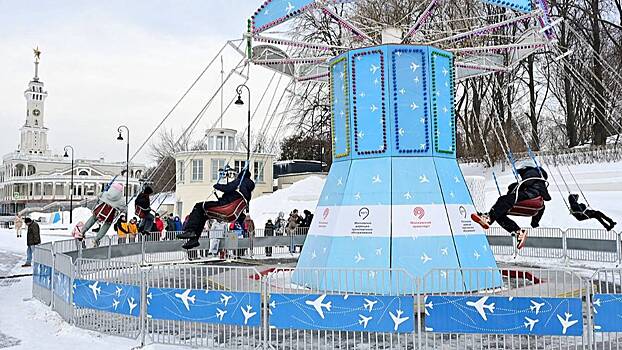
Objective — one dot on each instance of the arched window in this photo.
(83, 173)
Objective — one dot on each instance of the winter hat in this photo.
(526, 164)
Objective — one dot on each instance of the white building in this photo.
(198, 171)
(32, 176)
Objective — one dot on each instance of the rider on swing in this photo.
(581, 212)
(533, 185)
(242, 185)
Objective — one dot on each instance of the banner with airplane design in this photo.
(117, 298)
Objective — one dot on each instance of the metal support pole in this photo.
(619, 248)
(565, 247)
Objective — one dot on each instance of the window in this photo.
(217, 166)
(180, 171)
(239, 165)
(231, 143)
(210, 143)
(258, 171)
(220, 143)
(197, 170)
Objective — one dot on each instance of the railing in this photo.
(113, 289)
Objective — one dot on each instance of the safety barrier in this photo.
(241, 307)
(595, 245)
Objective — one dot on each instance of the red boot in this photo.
(482, 220)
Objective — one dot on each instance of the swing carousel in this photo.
(395, 197)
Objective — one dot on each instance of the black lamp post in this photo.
(239, 102)
(71, 190)
(127, 164)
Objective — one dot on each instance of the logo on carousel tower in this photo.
(418, 222)
(419, 212)
(325, 213)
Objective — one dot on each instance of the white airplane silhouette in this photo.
(445, 71)
(402, 91)
(358, 258)
(425, 258)
(373, 108)
(361, 135)
(414, 66)
(247, 313)
(530, 323)
(313, 255)
(339, 181)
(118, 292)
(376, 179)
(318, 305)
(373, 69)
(185, 297)
(220, 313)
(476, 255)
(132, 304)
(364, 320)
(369, 305)
(289, 7)
(225, 298)
(407, 195)
(96, 290)
(444, 251)
(398, 319)
(481, 306)
(429, 305)
(379, 251)
(423, 178)
(535, 306)
(566, 323)
(357, 195)
(596, 302)
(413, 106)
(115, 303)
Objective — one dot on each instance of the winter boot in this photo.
(482, 219)
(521, 238)
(192, 243)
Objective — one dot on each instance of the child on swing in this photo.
(533, 185)
(198, 217)
(581, 212)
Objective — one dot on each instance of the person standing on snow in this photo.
(33, 238)
(18, 225)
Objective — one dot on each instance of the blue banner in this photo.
(364, 313)
(42, 275)
(105, 296)
(62, 286)
(197, 305)
(504, 315)
(607, 312)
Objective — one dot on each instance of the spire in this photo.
(37, 53)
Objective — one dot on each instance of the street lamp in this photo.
(239, 102)
(71, 190)
(127, 165)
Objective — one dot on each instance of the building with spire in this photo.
(32, 176)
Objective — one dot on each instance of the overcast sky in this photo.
(113, 62)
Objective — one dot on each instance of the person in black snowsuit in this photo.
(142, 206)
(268, 232)
(533, 185)
(581, 212)
(198, 218)
(306, 221)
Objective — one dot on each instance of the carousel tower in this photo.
(395, 196)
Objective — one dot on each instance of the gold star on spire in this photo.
(37, 53)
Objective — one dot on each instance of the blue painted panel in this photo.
(198, 305)
(342, 312)
(273, 12)
(369, 182)
(410, 101)
(442, 103)
(607, 312)
(104, 296)
(62, 286)
(475, 253)
(369, 109)
(455, 190)
(335, 185)
(340, 110)
(518, 5)
(415, 181)
(42, 275)
(504, 315)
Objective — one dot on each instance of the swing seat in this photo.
(228, 212)
(105, 213)
(528, 207)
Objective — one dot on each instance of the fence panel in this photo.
(63, 281)
(42, 266)
(107, 296)
(592, 245)
(605, 309)
(532, 309)
(204, 306)
(544, 243)
(500, 241)
(326, 310)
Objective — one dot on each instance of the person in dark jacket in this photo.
(268, 232)
(533, 184)
(581, 212)
(143, 210)
(306, 221)
(33, 238)
(197, 218)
